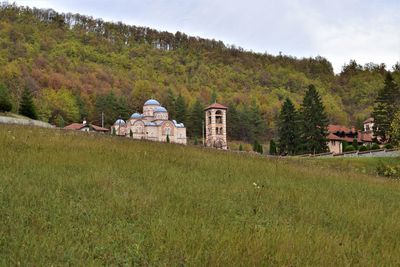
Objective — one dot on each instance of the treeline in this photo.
(78, 67)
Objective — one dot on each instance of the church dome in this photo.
(160, 109)
(152, 102)
(119, 121)
(136, 116)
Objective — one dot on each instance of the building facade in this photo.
(153, 124)
(339, 134)
(215, 118)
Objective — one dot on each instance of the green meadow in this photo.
(76, 199)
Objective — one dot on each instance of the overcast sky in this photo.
(340, 30)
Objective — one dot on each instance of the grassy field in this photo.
(77, 199)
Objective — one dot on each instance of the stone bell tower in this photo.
(215, 118)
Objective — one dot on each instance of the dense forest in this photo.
(77, 67)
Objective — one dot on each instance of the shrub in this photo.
(349, 148)
(389, 146)
(388, 171)
(375, 146)
(240, 147)
(272, 147)
(5, 103)
(362, 148)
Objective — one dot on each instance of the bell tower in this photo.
(215, 118)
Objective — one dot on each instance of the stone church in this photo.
(153, 125)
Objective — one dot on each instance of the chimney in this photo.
(84, 121)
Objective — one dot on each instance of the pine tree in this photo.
(168, 140)
(272, 147)
(385, 108)
(26, 107)
(5, 103)
(240, 147)
(130, 133)
(196, 118)
(257, 127)
(196, 141)
(181, 109)
(233, 123)
(314, 123)
(170, 104)
(288, 129)
(214, 96)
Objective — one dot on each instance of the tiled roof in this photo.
(216, 105)
(74, 126)
(78, 126)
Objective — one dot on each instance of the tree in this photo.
(196, 118)
(272, 147)
(170, 103)
(395, 129)
(181, 109)
(233, 123)
(214, 96)
(168, 140)
(257, 127)
(385, 107)
(130, 133)
(26, 106)
(5, 103)
(288, 129)
(240, 147)
(196, 141)
(314, 123)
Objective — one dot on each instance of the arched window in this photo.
(218, 116)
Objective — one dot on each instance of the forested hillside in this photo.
(77, 67)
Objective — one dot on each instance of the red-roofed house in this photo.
(86, 127)
(339, 134)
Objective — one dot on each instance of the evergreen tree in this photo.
(5, 103)
(256, 146)
(257, 124)
(196, 141)
(314, 123)
(130, 133)
(168, 140)
(26, 106)
(395, 130)
(214, 96)
(181, 109)
(385, 108)
(196, 118)
(288, 129)
(240, 147)
(170, 103)
(272, 147)
(233, 123)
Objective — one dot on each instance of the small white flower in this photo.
(254, 184)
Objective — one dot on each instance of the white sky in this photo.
(340, 30)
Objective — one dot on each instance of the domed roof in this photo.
(119, 121)
(152, 102)
(160, 109)
(136, 115)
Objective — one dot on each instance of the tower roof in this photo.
(215, 106)
(152, 102)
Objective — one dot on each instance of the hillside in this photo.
(72, 62)
(69, 198)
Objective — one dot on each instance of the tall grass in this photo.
(76, 199)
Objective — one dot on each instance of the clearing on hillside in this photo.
(68, 198)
